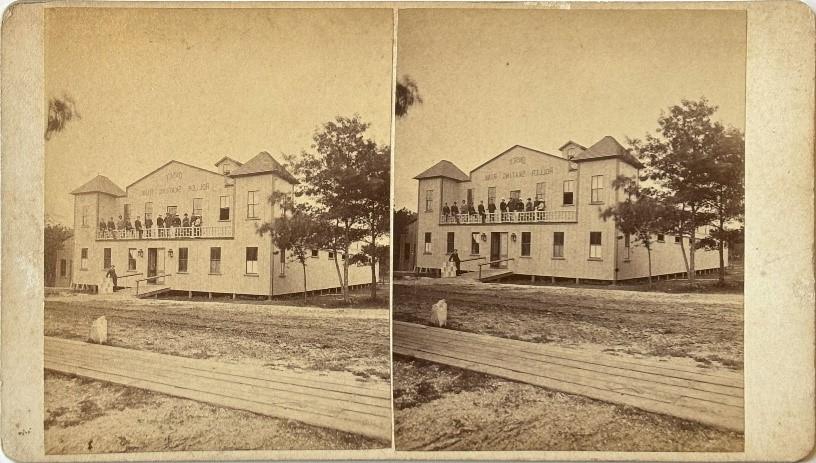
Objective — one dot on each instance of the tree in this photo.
(401, 219)
(637, 216)
(679, 161)
(407, 95)
(347, 175)
(727, 203)
(60, 112)
(54, 235)
(295, 231)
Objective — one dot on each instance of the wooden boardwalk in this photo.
(350, 406)
(669, 388)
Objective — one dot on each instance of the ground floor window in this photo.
(106, 258)
(474, 243)
(526, 244)
(63, 267)
(626, 246)
(183, 256)
(558, 244)
(83, 261)
(252, 260)
(315, 252)
(678, 239)
(131, 259)
(428, 244)
(661, 238)
(595, 245)
(215, 260)
(451, 242)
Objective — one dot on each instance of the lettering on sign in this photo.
(518, 160)
(174, 178)
(518, 174)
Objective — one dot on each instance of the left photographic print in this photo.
(216, 241)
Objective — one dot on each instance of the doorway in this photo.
(498, 249)
(155, 265)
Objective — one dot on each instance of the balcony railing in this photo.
(511, 217)
(223, 231)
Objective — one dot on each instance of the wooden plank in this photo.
(704, 402)
(735, 393)
(723, 421)
(643, 365)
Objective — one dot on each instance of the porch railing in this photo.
(220, 231)
(156, 277)
(511, 217)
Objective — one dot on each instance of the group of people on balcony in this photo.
(514, 205)
(163, 227)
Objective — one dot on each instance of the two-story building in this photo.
(221, 252)
(556, 230)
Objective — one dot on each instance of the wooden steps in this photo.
(670, 388)
(487, 274)
(342, 404)
(153, 291)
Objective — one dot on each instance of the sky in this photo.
(491, 79)
(194, 85)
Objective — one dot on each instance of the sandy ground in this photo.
(444, 408)
(97, 417)
(85, 416)
(439, 407)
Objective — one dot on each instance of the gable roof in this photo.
(263, 163)
(511, 149)
(226, 158)
(167, 164)
(570, 142)
(444, 169)
(100, 184)
(607, 147)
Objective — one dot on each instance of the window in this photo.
(428, 244)
(148, 211)
(225, 168)
(63, 267)
(569, 192)
(470, 195)
(106, 258)
(540, 189)
(183, 256)
(428, 200)
(526, 241)
(451, 242)
(85, 213)
(131, 259)
(224, 208)
(474, 243)
(198, 207)
(678, 239)
(215, 260)
(595, 245)
(127, 212)
(596, 195)
(661, 238)
(172, 210)
(252, 260)
(515, 194)
(626, 247)
(491, 195)
(331, 255)
(558, 245)
(252, 202)
(315, 252)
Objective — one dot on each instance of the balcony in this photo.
(172, 233)
(511, 217)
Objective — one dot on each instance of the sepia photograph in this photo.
(568, 230)
(217, 217)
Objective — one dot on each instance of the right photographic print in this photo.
(568, 230)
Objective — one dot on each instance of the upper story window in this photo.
(678, 239)
(315, 252)
(127, 212)
(661, 238)
(596, 191)
(428, 200)
(541, 188)
(515, 194)
(198, 208)
(85, 217)
(470, 195)
(252, 204)
(569, 193)
(148, 212)
(224, 208)
(226, 168)
(595, 250)
(172, 210)
(491, 195)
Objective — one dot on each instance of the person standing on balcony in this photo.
(176, 221)
(482, 211)
(446, 211)
(160, 224)
(148, 223)
(138, 226)
(458, 262)
(120, 226)
(470, 209)
(111, 225)
(197, 225)
(502, 207)
(529, 206)
(491, 208)
(185, 223)
(454, 210)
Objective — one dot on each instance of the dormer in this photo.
(571, 149)
(226, 165)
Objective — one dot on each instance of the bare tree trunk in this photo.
(346, 298)
(683, 251)
(649, 253)
(373, 278)
(303, 263)
(337, 266)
